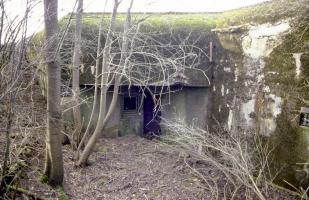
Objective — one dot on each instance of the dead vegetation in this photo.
(128, 167)
(232, 166)
(189, 164)
(26, 137)
(132, 167)
(186, 166)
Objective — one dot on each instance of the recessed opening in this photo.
(129, 103)
(304, 117)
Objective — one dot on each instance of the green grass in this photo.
(44, 179)
(61, 194)
(261, 13)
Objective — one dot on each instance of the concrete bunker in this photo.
(256, 75)
(140, 109)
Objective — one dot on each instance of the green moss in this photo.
(61, 194)
(16, 167)
(290, 150)
(231, 42)
(282, 62)
(111, 132)
(38, 38)
(44, 179)
(129, 126)
(289, 141)
(161, 23)
(261, 13)
(27, 152)
(102, 149)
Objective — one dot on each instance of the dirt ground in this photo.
(132, 167)
(128, 167)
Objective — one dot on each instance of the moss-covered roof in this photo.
(180, 24)
(270, 11)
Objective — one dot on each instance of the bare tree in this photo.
(140, 59)
(75, 72)
(104, 113)
(15, 75)
(12, 53)
(54, 162)
(96, 82)
(231, 156)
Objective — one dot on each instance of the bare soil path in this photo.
(128, 167)
(132, 167)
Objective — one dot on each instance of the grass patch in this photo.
(61, 194)
(262, 13)
(44, 179)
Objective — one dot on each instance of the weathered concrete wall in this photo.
(196, 106)
(112, 127)
(239, 79)
(174, 106)
(258, 87)
(131, 122)
(188, 105)
(258, 84)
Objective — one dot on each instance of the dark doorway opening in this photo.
(152, 117)
(129, 103)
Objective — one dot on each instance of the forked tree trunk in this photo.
(104, 79)
(75, 72)
(54, 163)
(95, 96)
(14, 66)
(105, 114)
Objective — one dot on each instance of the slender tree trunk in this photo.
(105, 114)
(1, 22)
(54, 163)
(16, 59)
(75, 72)
(104, 79)
(95, 101)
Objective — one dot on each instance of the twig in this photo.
(26, 192)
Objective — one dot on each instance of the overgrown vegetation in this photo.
(289, 140)
(231, 165)
(263, 13)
